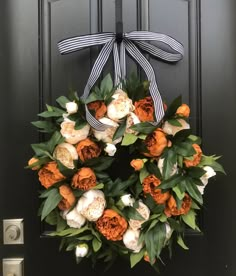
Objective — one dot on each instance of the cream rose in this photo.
(132, 119)
(72, 135)
(81, 250)
(130, 240)
(66, 154)
(120, 107)
(107, 135)
(127, 200)
(209, 173)
(172, 130)
(110, 149)
(91, 205)
(74, 219)
(144, 212)
(71, 107)
(160, 165)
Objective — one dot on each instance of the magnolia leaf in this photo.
(153, 169)
(178, 192)
(51, 202)
(170, 160)
(62, 101)
(190, 219)
(106, 84)
(171, 182)
(96, 244)
(174, 122)
(100, 163)
(132, 213)
(136, 257)
(98, 186)
(69, 232)
(55, 140)
(195, 172)
(182, 135)
(144, 127)
(120, 130)
(52, 218)
(93, 96)
(171, 110)
(191, 188)
(44, 126)
(143, 173)
(195, 139)
(129, 139)
(184, 149)
(181, 243)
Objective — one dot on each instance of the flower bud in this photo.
(110, 149)
(75, 219)
(71, 107)
(81, 250)
(130, 240)
(127, 200)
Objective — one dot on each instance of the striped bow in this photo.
(130, 42)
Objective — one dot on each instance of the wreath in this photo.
(130, 190)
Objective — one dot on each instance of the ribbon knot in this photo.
(131, 42)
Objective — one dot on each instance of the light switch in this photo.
(13, 267)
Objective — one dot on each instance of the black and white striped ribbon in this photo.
(131, 42)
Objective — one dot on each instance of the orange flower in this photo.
(99, 108)
(156, 143)
(172, 210)
(196, 157)
(68, 198)
(87, 149)
(84, 179)
(149, 187)
(144, 109)
(137, 164)
(50, 175)
(183, 110)
(32, 161)
(112, 225)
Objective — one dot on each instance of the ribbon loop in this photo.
(130, 42)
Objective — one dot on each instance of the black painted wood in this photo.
(32, 73)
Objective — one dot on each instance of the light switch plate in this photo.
(13, 267)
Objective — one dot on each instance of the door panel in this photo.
(33, 73)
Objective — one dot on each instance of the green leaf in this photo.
(153, 169)
(174, 122)
(120, 130)
(98, 186)
(62, 101)
(195, 139)
(184, 149)
(144, 127)
(51, 202)
(94, 96)
(190, 219)
(192, 189)
(52, 218)
(99, 164)
(181, 135)
(181, 243)
(170, 160)
(178, 192)
(132, 213)
(136, 257)
(55, 140)
(106, 84)
(96, 244)
(171, 110)
(195, 172)
(69, 232)
(143, 173)
(171, 182)
(129, 139)
(44, 126)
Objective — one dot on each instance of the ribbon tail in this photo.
(154, 92)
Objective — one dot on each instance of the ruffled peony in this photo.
(91, 205)
(75, 219)
(120, 107)
(172, 209)
(111, 225)
(196, 157)
(107, 135)
(66, 154)
(183, 110)
(137, 164)
(131, 240)
(68, 198)
(172, 130)
(99, 108)
(155, 143)
(144, 211)
(87, 149)
(72, 135)
(144, 109)
(84, 179)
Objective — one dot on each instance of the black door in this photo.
(33, 73)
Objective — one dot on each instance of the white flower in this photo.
(172, 130)
(144, 211)
(127, 200)
(107, 135)
(66, 154)
(209, 173)
(169, 232)
(75, 219)
(91, 205)
(120, 107)
(130, 240)
(72, 135)
(160, 165)
(81, 250)
(132, 119)
(110, 149)
(71, 107)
